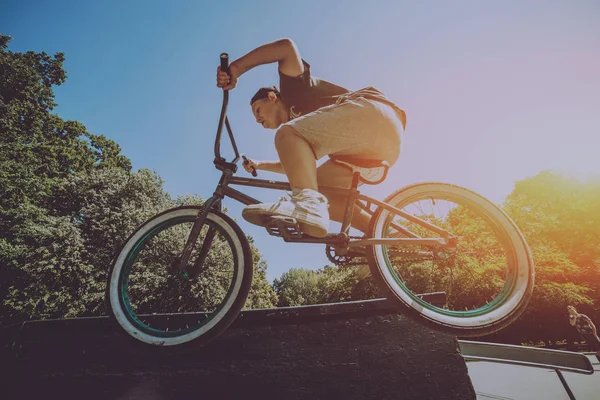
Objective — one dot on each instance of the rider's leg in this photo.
(362, 127)
(333, 174)
(308, 206)
(337, 210)
(336, 175)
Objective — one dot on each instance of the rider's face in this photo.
(269, 112)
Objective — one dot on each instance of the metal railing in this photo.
(556, 360)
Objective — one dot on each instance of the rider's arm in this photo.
(283, 51)
(271, 166)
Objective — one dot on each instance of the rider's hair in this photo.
(263, 93)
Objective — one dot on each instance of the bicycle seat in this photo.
(371, 172)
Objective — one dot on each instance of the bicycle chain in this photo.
(350, 260)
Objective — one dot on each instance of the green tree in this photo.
(60, 262)
(340, 284)
(39, 147)
(560, 218)
(262, 294)
(299, 287)
(46, 257)
(59, 256)
(68, 202)
(561, 209)
(38, 150)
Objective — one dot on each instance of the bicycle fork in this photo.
(213, 202)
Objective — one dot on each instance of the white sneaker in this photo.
(308, 207)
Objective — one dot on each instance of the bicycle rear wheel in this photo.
(477, 287)
(161, 306)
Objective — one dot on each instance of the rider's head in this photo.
(268, 108)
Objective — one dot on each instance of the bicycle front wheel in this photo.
(160, 305)
(475, 287)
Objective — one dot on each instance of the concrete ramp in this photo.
(359, 350)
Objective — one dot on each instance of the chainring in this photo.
(344, 260)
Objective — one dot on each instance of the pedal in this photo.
(281, 226)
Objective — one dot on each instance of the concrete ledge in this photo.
(359, 350)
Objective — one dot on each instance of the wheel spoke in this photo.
(171, 305)
(477, 276)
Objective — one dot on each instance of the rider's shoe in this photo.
(308, 207)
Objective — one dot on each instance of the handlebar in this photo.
(219, 161)
(225, 62)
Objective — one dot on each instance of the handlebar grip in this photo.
(225, 62)
(253, 170)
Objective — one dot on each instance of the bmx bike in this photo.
(186, 273)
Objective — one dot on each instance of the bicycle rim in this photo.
(481, 282)
(159, 305)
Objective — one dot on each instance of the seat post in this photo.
(350, 200)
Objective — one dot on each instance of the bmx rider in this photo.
(314, 118)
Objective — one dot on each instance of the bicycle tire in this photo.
(496, 315)
(228, 233)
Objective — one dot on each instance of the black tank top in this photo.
(304, 94)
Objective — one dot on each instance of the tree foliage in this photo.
(68, 202)
(299, 287)
(560, 218)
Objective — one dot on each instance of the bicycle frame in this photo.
(339, 240)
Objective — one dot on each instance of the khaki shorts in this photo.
(359, 127)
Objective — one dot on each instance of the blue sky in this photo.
(495, 92)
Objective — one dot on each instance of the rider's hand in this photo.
(228, 81)
(248, 165)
